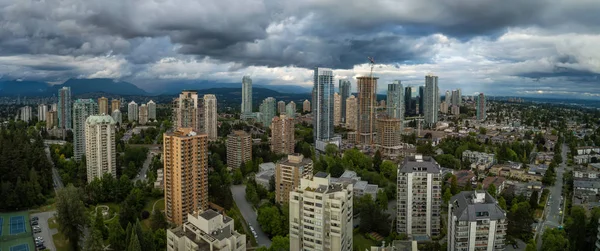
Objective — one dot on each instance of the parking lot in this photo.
(46, 233)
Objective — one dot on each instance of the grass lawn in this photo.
(537, 214)
(52, 224)
(160, 204)
(60, 242)
(360, 242)
(44, 208)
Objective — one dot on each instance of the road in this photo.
(151, 152)
(55, 176)
(239, 195)
(46, 231)
(553, 218)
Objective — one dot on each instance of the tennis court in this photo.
(17, 225)
(20, 247)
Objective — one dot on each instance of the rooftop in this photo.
(321, 175)
(420, 163)
(474, 205)
(209, 214)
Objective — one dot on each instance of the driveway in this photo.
(239, 195)
(55, 176)
(46, 231)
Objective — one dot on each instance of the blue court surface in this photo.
(1, 225)
(20, 247)
(17, 226)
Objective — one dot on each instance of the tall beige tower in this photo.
(115, 104)
(288, 174)
(337, 109)
(367, 102)
(103, 106)
(306, 106)
(210, 105)
(188, 111)
(100, 148)
(281, 107)
(239, 148)
(143, 114)
(185, 156)
(282, 135)
(352, 113)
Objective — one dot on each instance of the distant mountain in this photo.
(23, 88)
(176, 87)
(81, 86)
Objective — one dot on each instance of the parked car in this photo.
(35, 218)
(34, 223)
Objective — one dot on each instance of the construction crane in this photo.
(372, 116)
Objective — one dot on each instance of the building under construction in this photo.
(367, 102)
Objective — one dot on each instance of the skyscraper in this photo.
(115, 104)
(337, 109)
(188, 111)
(367, 101)
(26, 113)
(447, 97)
(103, 106)
(306, 106)
(321, 215)
(267, 111)
(410, 105)
(143, 114)
(421, 100)
(444, 107)
(82, 109)
(290, 109)
(185, 156)
(389, 136)
(459, 97)
(239, 148)
(351, 113)
(288, 173)
(42, 110)
(64, 108)
(151, 110)
(132, 111)
(431, 101)
(282, 135)
(281, 107)
(344, 86)
(475, 222)
(322, 104)
(419, 197)
(51, 119)
(481, 107)
(455, 98)
(210, 113)
(246, 97)
(395, 100)
(100, 148)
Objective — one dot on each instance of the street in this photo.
(46, 231)
(55, 176)
(239, 195)
(553, 218)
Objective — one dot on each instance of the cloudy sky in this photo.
(510, 47)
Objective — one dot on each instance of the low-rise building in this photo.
(464, 177)
(397, 245)
(544, 158)
(206, 231)
(587, 150)
(585, 172)
(360, 187)
(538, 169)
(586, 158)
(586, 184)
(479, 160)
(497, 181)
(265, 173)
(527, 188)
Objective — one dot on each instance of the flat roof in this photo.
(209, 214)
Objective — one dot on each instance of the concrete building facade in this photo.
(188, 111)
(132, 111)
(239, 148)
(282, 135)
(337, 109)
(151, 110)
(323, 104)
(210, 119)
(103, 106)
(82, 109)
(143, 114)
(290, 109)
(288, 173)
(100, 151)
(306, 106)
(246, 109)
(64, 108)
(431, 100)
(352, 113)
(367, 102)
(344, 87)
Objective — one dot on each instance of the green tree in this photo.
(377, 161)
(237, 176)
(554, 240)
(130, 208)
(331, 150)
(280, 243)
(593, 224)
(116, 236)
(270, 220)
(99, 224)
(134, 243)
(530, 246)
(454, 185)
(389, 170)
(533, 200)
(71, 214)
(576, 228)
(335, 168)
(448, 161)
(520, 219)
(158, 220)
(492, 190)
(447, 196)
(502, 202)
(160, 239)
(94, 241)
(371, 216)
(382, 199)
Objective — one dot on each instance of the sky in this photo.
(536, 48)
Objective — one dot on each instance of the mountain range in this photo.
(106, 85)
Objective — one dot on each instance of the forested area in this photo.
(25, 171)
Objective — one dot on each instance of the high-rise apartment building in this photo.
(207, 230)
(345, 88)
(210, 116)
(82, 109)
(246, 97)
(42, 110)
(290, 109)
(481, 107)
(455, 110)
(419, 197)
(444, 107)
(100, 151)
(337, 109)
(288, 173)
(408, 102)
(54, 108)
(117, 116)
(321, 215)
(447, 97)
(459, 97)
(143, 114)
(26, 113)
(306, 106)
(389, 136)
(281, 107)
(395, 100)
(115, 104)
(322, 104)
(151, 110)
(51, 119)
(239, 148)
(185, 156)
(103, 106)
(367, 102)
(282, 135)
(64, 108)
(351, 113)
(431, 102)
(475, 222)
(267, 111)
(132, 111)
(421, 109)
(188, 111)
